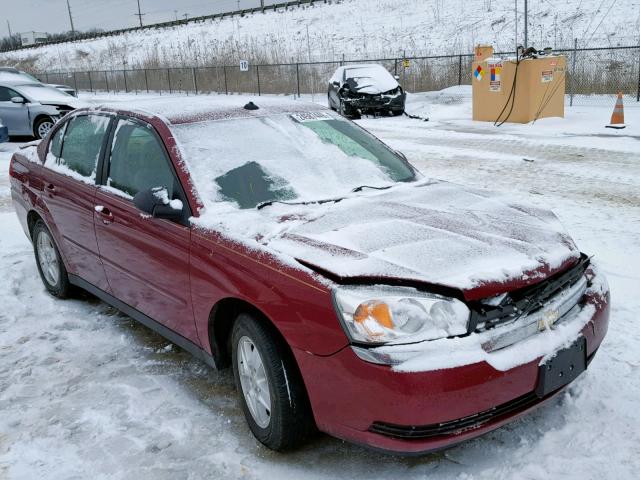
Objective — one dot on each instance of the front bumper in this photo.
(379, 407)
(377, 102)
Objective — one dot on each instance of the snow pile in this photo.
(358, 28)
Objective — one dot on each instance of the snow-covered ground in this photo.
(358, 28)
(87, 392)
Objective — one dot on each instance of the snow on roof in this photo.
(190, 109)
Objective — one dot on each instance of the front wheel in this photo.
(273, 397)
(50, 266)
(42, 127)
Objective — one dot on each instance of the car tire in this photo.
(330, 104)
(263, 366)
(42, 127)
(49, 262)
(397, 113)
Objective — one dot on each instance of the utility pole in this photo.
(73, 30)
(175, 12)
(526, 24)
(516, 27)
(11, 44)
(139, 14)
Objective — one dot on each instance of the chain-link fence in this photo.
(593, 76)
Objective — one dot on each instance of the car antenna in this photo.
(251, 106)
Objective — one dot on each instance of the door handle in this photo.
(104, 213)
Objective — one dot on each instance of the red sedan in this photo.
(349, 293)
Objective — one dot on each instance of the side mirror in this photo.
(17, 99)
(155, 202)
(335, 84)
(397, 77)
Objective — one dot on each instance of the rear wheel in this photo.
(397, 113)
(42, 127)
(52, 271)
(272, 394)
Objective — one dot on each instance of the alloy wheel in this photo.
(48, 259)
(254, 382)
(44, 128)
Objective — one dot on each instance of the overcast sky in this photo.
(51, 15)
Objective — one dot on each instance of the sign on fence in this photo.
(406, 63)
(244, 65)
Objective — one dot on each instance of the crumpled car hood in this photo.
(434, 233)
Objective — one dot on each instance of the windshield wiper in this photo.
(261, 205)
(362, 187)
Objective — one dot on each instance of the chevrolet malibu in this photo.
(349, 293)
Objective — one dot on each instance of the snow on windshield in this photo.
(12, 77)
(291, 156)
(371, 75)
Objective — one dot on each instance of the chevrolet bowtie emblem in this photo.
(548, 319)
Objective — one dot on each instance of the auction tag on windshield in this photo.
(311, 116)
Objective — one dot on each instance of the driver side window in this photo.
(6, 94)
(138, 160)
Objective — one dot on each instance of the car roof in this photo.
(199, 108)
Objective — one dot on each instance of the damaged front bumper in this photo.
(451, 390)
(377, 102)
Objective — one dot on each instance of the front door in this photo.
(15, 116)
(146, 259)
(69, 191)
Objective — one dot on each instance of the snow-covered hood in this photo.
(372, 86)
(435, 233)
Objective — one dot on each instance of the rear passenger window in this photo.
(138, 160)
(82, 142)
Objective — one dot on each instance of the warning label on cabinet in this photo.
(495, 80)
(546, 76)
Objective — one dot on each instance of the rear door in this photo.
(15, 116)
(69, 191)
(146, 259)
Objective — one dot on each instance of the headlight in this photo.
(394, 315)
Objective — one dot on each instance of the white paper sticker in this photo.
(547, 76)
(311, 116)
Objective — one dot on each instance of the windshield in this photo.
(42, 93)
(16, 77)
(289, 157)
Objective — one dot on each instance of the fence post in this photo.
(195, 80)
(75, 82)
(298, 78)
(573, 71)
(226, 88)
(169, 79)
(638, 92)
(258, 77)
(90, 84)
(146, 80)
(395, 67)
(46, 77)
(124, 75)
(106, 80)
(460, 70)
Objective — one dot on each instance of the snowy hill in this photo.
(355, 28)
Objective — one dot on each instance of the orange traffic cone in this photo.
(617, 118)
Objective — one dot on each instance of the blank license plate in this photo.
(565, 367)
